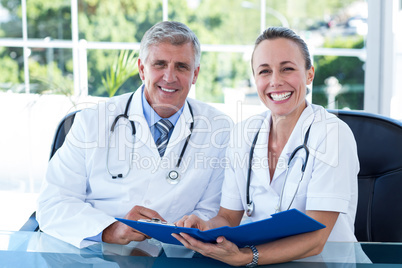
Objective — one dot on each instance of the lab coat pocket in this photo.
(187, 193)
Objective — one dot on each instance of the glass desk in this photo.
(35, 249)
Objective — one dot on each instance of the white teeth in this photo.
(167, 90)
(280, 96)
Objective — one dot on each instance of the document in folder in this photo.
(280, 225)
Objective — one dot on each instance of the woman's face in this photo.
(281, 76)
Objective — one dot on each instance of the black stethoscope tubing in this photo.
(134, 131)
(125, 115)
(250, 205)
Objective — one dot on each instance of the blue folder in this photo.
(280, 225)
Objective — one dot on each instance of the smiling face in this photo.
(281, 76)
(168, 73)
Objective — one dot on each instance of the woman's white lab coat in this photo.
(330, 178)
(79, 198)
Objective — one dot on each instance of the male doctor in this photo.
(149, 154)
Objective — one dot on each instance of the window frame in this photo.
(379, 82)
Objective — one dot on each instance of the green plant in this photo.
(123, 67)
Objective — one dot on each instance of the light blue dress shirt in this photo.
(152, 117)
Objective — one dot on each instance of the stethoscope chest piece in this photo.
(250, 209)
(173, 177)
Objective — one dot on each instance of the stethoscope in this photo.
(173, 176)
(250, 204)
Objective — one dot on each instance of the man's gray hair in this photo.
(175, 33)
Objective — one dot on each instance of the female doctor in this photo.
(301, 157)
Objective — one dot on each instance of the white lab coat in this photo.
(330, 179)
(79, 199)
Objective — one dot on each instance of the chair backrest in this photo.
(379, 146)
(61, 132)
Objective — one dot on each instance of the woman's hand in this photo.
(223, 250)
(225, 217)
(193, 221)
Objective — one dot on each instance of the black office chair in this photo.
(58, 140)
(379, 146)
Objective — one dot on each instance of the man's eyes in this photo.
(159, 64)
(178, 66)
(183, 67)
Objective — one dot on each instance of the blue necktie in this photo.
(164, 127)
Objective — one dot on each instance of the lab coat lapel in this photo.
(181, 130)
(261, 170)
(260, 158)
(143, 134)
(296, 139)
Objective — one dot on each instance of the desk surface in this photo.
(29, 249)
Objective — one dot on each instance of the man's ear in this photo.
(141, 69)
(196, 72)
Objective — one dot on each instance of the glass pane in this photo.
(51, 71)
(50, 19)
(323, 24)
(223, 76)
(117, 21)
(12, 69)
(99, 63)
(219, 22)
(339, 82)
(320, 21)
(10, 19)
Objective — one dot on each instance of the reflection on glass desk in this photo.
(35, 249)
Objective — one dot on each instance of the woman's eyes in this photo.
(288, 69)
(264, 71)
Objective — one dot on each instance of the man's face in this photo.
(168, 74)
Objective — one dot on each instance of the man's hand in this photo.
(120, 233)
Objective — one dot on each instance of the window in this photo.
(55, 53)
(226, 29)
